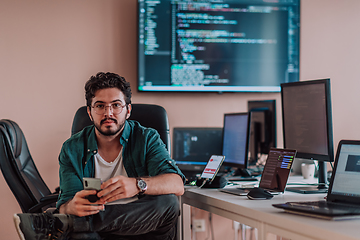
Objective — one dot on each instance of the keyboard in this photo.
(327, 205)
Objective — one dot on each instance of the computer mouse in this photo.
(259, 194)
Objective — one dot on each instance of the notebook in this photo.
(275, 174)
(343, 197)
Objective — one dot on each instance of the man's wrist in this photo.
(63, 208)
(141, 185)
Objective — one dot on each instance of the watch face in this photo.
(142, 185)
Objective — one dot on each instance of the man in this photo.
(137, 199)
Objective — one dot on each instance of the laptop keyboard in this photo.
(327, 205)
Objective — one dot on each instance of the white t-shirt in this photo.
(106, 170)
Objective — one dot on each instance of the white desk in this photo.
(261, 215)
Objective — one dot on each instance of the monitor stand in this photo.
(322, 183)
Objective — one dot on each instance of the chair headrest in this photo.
(15, 135)
(81, 120)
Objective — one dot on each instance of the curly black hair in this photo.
(107, 80)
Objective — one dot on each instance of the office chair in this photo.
(20, 172)
(148, 115)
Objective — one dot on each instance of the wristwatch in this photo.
(141, 184)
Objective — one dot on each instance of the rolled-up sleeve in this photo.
(148, 153)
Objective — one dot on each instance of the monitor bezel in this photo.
(232, 164)
(261, 105)
(213, 89)
(193, 167)
(330, 148)
(335, 196)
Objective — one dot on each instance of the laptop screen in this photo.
(346, 177)
(277, 169)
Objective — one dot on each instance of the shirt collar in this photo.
(92, 144)
(125, 134)
(91, 141)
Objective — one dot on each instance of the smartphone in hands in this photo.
(92, 184)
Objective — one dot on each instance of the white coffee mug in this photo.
(307, 170)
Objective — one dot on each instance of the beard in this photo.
(108, 131)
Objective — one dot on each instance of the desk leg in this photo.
(261, 232)
(180, 222)
(186, 221)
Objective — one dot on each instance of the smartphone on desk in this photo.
(92, 184)
(209, 173)
(212, 167)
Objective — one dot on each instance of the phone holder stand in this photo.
(218, 182)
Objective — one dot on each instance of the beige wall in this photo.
(48, 49)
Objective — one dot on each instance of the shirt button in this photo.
(94, 151)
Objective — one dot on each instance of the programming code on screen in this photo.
(277, 168)
(218, 45)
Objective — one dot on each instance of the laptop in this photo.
(343, 197)
(275, 174)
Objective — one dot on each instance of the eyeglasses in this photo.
(100, 108)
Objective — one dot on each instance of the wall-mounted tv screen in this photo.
(217, 45)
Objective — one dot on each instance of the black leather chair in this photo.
(20, 172)
(148, 115)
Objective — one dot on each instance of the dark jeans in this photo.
(151, 217)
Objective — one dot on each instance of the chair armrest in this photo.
(57, 190)
(49, 198)
(47, 201)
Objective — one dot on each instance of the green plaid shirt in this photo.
(144, 154)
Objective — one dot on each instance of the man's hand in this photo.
(118, 187)
(80, 206)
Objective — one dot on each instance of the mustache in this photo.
(106, 119)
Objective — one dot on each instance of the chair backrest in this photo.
(18, 167)
(148, 115)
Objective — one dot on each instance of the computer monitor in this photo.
(307, 124)
(236, 142)
(262, 129)
(192, 148)
(217, 45)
